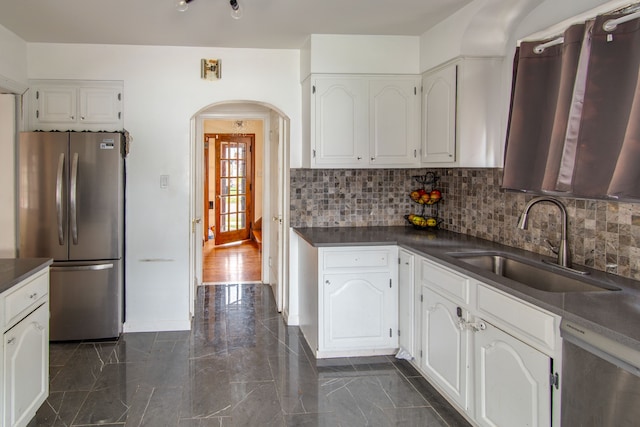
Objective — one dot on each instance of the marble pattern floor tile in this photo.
(239, 366)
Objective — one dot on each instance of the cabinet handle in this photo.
(327, 282)
(11, 340)
(373, 159)
(33, 295)
(359, 158)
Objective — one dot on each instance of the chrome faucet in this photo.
(564, 259)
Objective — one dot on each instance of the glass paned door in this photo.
(233, 187)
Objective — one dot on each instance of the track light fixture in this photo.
(236, 9)
(182, 5)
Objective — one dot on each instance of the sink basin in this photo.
(531, 274)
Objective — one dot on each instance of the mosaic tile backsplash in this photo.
(602, 234)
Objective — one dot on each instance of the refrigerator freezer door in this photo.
(86, 300)
(43, 180)
(96, 196)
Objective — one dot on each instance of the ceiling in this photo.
(264, 24)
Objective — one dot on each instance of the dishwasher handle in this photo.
(602, 346)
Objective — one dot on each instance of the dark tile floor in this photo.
(239, 366)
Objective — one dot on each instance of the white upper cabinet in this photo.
(76, 105)
(461, 114)
(360, 121)
(339, 122)
(439, 116)
(394, 122)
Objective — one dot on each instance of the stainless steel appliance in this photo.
(600, 380)
(71, 209)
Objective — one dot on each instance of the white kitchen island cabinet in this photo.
(349, 304)
(24, 359)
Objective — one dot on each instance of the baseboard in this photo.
(156, 326)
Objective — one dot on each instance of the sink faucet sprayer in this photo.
(564, 259)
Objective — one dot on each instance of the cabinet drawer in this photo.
(529, 323)
(356, 259)
(446, 281)
(25, 297)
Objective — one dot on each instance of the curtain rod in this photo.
(542, 46)
(558, 29)
(612, 24)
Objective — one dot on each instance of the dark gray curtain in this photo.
(575, 117)
(532, 116)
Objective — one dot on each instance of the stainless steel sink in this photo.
(532, 274)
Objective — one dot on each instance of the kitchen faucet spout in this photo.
(564, 259)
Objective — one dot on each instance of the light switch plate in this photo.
(164, 181)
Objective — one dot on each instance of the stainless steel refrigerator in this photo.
(71, 209)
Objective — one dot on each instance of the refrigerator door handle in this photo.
(59, 212)
(74, 199)
(94, 267)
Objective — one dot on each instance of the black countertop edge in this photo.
(613, 314)
(15, 270)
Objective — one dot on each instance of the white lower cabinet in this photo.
(24, 352)
(406, 305)
(512, 381)
(359, 311)
(349, 299)
(495, 376)
(443, 349)
(26, 367)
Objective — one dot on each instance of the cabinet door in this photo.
(360, 311)
(512, 381)
(100, 105)
(406, 284)
(56, 105)
(340, 122)
(443, 345)
(439, 93)
(394, 128)
(26, 367)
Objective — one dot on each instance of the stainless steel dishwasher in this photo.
(600, 380)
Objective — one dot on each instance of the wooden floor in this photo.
(233, 263)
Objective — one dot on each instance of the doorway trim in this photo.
(236, 110)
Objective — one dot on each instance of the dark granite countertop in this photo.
(613, 314)
(14, 270)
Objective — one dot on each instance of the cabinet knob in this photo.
(33, 295)
(327, 282)
(73, 117)
(81, 117)
(11, 340)
(359, 158)
(373, 159)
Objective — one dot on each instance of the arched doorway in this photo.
(274, 188)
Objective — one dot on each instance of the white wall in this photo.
(162, 91)
(7, 189)
(360, 54)
(13, 61)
